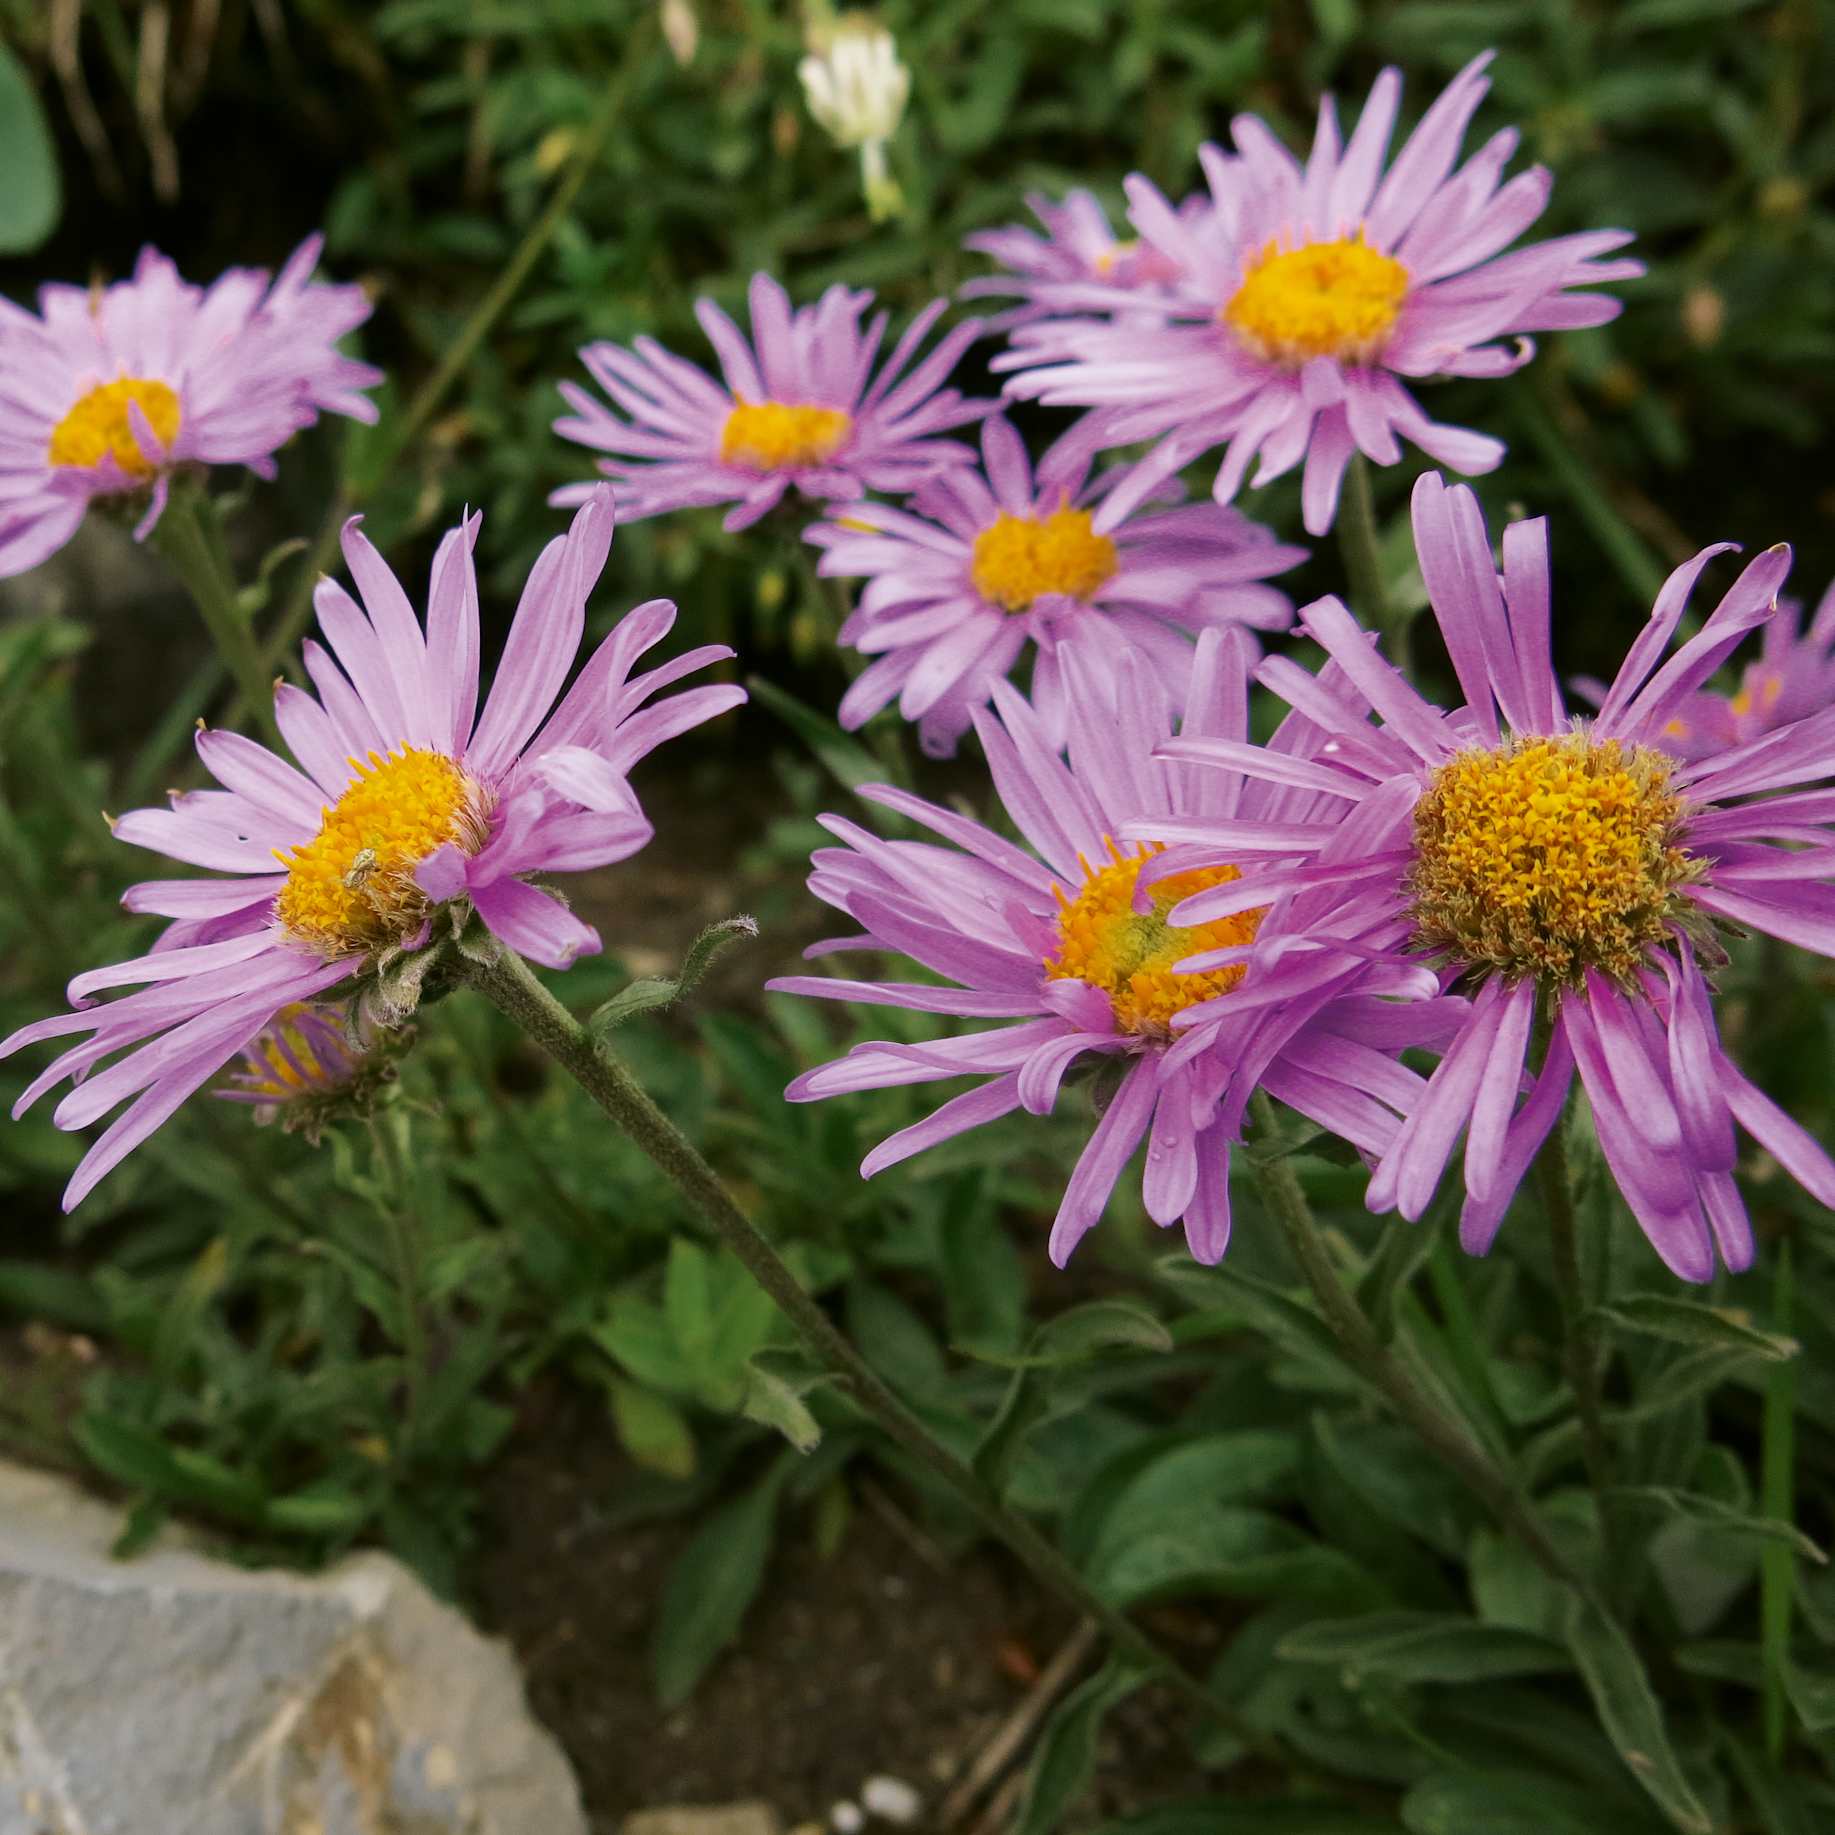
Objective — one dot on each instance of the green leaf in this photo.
(1146, 1487)
(653, 1431)
(1690, 1322)
(1065, 1760)
(1711, 1513)
(1259, 1304)
(774, 1398)
(328, 1512)
(649, 993)
(1220, 1549)
(1498, 1803)
(1631, 1715)
(1388, 1469)
(31, 194)
(1812, 1694)
(1082, 1332)
(896, 1342)
(710, 1588)
(1423, 1647)
(1232, 1816)
(57, 1294)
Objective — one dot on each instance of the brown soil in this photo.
(875, 1660)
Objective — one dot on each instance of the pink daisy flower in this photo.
(1792, 678)
(1571, 874)
(1054, 272)
(990, 561)
(1311, 290)
(104, 393)
(799, 405)
(1060, 935)
(404, 799)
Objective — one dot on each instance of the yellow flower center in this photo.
(1328, 299)
(1548, 857)
(1129, 954)
(780, 435)
(1016, 558)
(351, 887)
(99, 426)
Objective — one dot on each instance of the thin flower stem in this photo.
(191, 540)
(1363, 561)
(387, 1131)
(510, 985)
(1442, 1433)
(433, 390)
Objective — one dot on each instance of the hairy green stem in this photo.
(510, 985)
(1580, 1331)
(1441, 1432)
(434, 389)
(388, 1131)
(1363, 561)
(190, 538)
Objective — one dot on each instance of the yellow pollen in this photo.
(99, 426)
(1129, 954)
(351, 887)
(778, 435)
(1113, 255)
(1548, 857)
(1016, 558)
(1328, 299)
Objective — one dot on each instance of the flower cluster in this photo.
(1411, 922)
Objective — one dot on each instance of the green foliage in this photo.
(306, 1349)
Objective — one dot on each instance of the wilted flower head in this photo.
(105, 392)
(991, 561)
(1311, 289)
(312, 1064)
(405, 800)
(1569, 873)
(1184, 1019)
(801, 406)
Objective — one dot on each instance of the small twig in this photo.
(67, 61)
(1009, 1739)
(1003, 1809)
(901, 1525)
(150, 98)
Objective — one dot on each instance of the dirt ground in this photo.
(873, 1661)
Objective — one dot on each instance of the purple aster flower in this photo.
(1310, 290)
(105, 392)
(799, 405)
(987, 562)
(1054, 272)
(1060, 936)
(1571, 874)
(404, 799)
(1792, 678)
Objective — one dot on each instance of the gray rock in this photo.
(175, 1695)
